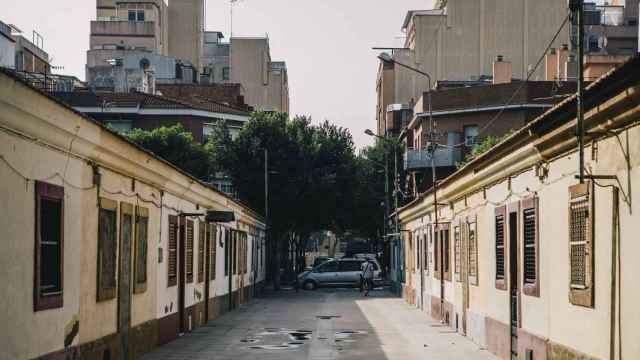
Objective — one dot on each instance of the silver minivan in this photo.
(336, 273)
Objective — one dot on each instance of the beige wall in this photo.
(186, 24)
(549, 317)
(27, 115)
(250, 61)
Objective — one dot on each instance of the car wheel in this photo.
(309, 285)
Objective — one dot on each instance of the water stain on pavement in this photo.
(297, 338)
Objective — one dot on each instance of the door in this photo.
(181, 273)
(327, 273)
(421, 246)
(349, 272)
(125, 275)
(207, 265)
(513, 282)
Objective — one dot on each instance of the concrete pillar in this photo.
(563, 56)
(551, 62)
(502, 71)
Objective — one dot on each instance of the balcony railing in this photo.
(421, 159)
(118, 28)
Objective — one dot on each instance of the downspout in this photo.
(615, 230)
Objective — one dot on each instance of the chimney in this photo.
(551, 62)
(563, 56)
(502, 71)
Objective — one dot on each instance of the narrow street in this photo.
(325, 324)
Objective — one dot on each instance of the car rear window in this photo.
(328, 266)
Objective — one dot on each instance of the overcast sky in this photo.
(326, 44)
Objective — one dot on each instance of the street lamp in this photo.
(386, 58)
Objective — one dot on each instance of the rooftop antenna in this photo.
(231, 4)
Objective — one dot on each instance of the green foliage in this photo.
(177, 146)
(489, 142)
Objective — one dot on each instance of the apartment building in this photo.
(109, 252)
(516, 253)
(21, 54)
(247, 61)
(186, 35)
(123, 27)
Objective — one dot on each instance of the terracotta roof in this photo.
(142, 100)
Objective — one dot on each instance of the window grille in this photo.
(456, 240)
(500, 247)
(213, 244)
(579, 230)
(189, 251)
(530, 256)
(172, 248)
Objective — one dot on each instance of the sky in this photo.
(326, 44)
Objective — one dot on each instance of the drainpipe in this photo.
(614, 267)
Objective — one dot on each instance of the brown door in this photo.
(124, 276)
(181, 273)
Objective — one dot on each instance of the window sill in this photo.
(47, 302)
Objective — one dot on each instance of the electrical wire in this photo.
(517, 91)
(52, 176)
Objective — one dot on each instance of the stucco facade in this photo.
(43, 141)
(266, 83)
(511, 260)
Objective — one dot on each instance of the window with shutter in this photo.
(107, 246)
(446, 241)
(581, 245)
(213, 241)
(530, 246)
(436, 253)
(456, 251)
(141, 249)
(201, 234)
(49, 239)
(425, 248)
(172, 249)
(227, 251)
(189, 251)
(500, 248)
(234, 252)
(473, 253)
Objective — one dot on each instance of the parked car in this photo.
(321, 260)
(337, 273)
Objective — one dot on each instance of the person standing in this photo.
(367, 276)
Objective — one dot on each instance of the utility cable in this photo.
(522, 85)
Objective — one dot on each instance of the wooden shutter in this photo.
(473, 251)
(141, 250)
(436, 253)
(581, 245)
(530, 246)
(212, 231)
(49, 249)
(456, 251)
(446, 241)
(189, 251)
(227, 251)
(172, 248)
(500, 235)
(107, 246)
(201, 235)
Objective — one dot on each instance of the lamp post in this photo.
(385, 57)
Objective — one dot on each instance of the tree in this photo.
(177, 146)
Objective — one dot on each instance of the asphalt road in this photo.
(322, 325)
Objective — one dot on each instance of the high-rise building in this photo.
(186, 30)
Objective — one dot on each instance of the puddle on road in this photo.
(297, 338)
(346, 336)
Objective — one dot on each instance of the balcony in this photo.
(123, 28)
(421, 159)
